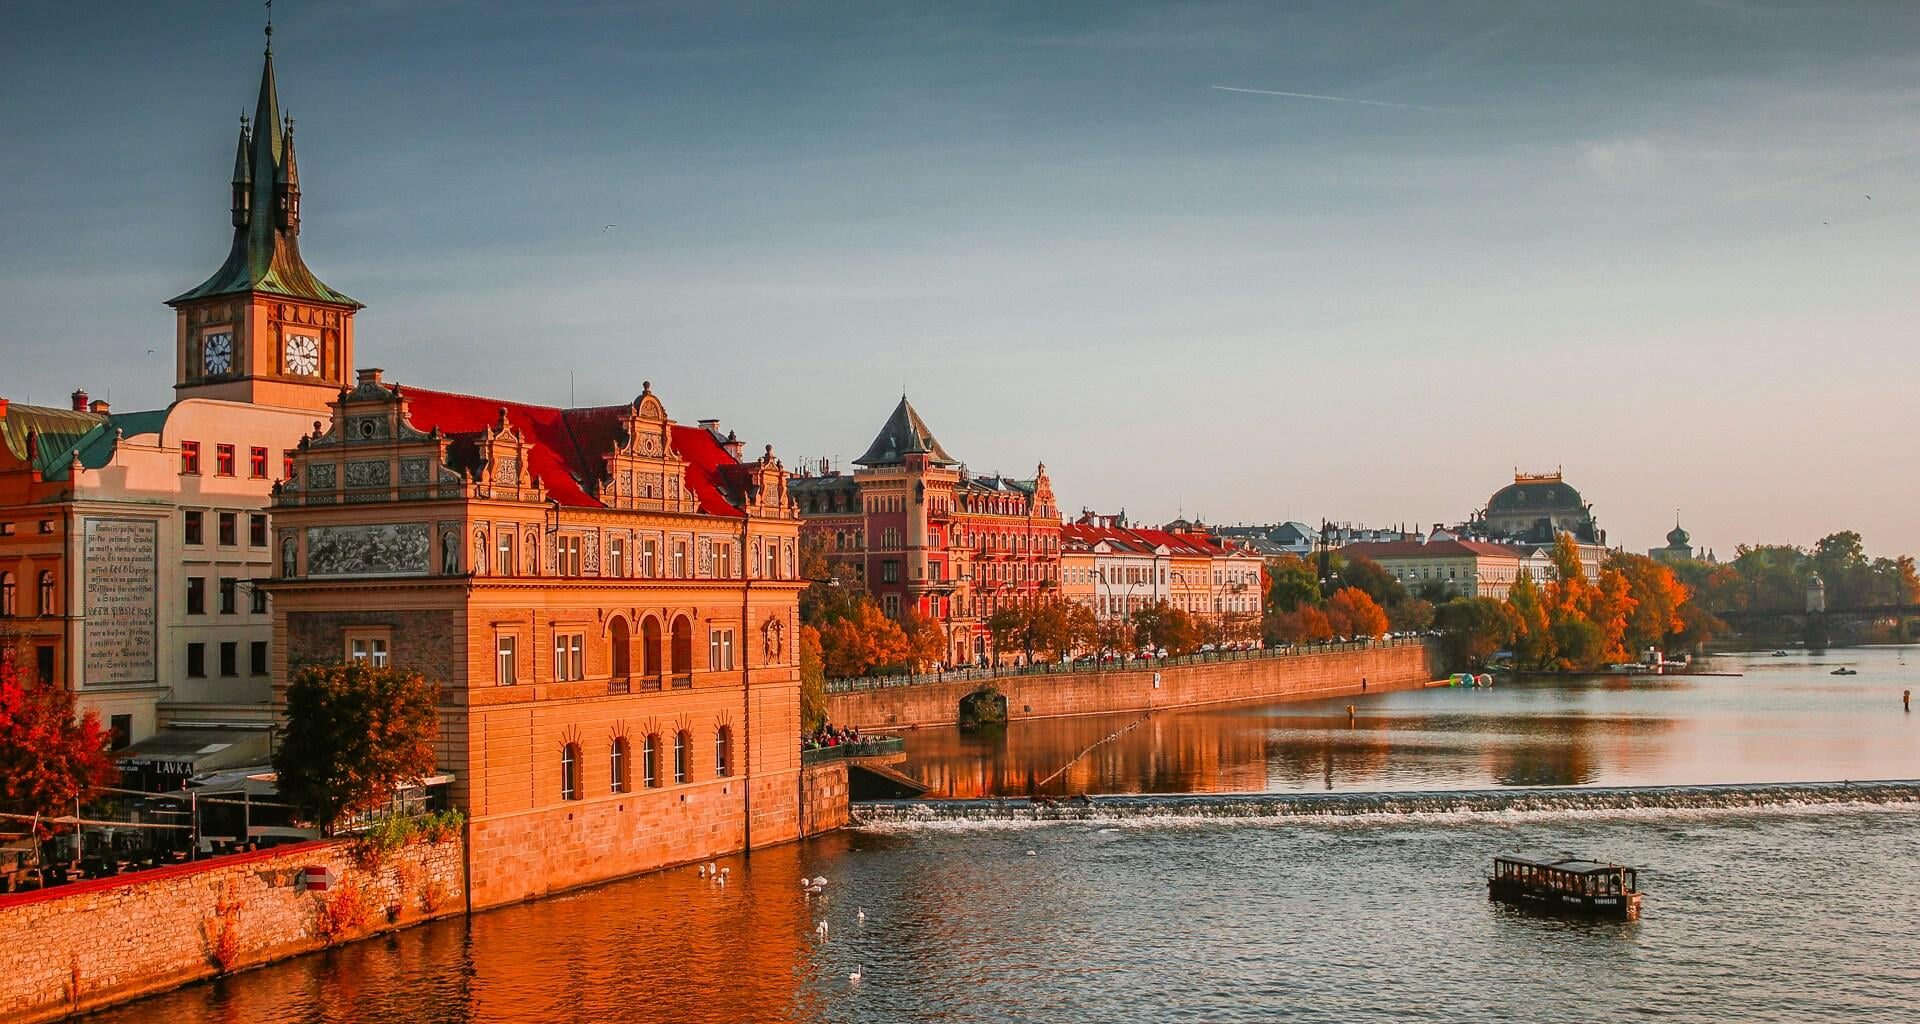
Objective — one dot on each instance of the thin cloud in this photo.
(1332, 99)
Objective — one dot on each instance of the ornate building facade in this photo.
(607, 597)
(922, 534)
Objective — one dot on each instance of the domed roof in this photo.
(1532, 493)
(1678, 537)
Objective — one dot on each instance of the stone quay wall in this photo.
(823, 797)
(1295, 677)
(89, 944)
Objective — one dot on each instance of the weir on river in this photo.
(1331, 805)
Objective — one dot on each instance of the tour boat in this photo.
(1779, 654)
(1843, 671)
(1563, 882)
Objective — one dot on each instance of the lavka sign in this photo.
(121, 580)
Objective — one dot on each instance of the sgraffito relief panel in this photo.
(121, 573)
(383, 549)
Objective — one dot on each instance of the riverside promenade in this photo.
(1053, 691)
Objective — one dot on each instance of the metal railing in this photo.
(865, 684)
(865, 748)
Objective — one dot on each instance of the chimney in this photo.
(79, 401)
(712, 427)
(371, 375)
(3, 408)
(98, 406)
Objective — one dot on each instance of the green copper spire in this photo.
(265, 256)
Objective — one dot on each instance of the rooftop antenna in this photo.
(269, 26)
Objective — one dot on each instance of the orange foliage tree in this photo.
(1303, 625)
(48, 757)
(862, 641)
(1351, 612)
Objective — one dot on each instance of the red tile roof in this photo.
(570, 445)
(1377, 550)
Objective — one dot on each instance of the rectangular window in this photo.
(505, 560)
(257, 463)
(286, 464)
(196, 595)
(197, 661)
(892, 605)
(890, 571)
(229, 529)
(679, 560)
(506, 661)
(723, 561)
(257, 529)
(616, 564)
(569, 656)
(369, 648)
(719, 650)
(46, 526)
(567, 549)
(257, 657)
(223, 460)
(193, 526)
(229, 658)
(190, 458)
(43, 665)
(256, 600)
(229, 595)
(650, 559)
(120, 732)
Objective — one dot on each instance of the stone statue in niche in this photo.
(450, 553)
(289, 559)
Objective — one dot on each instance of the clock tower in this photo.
(263, 329)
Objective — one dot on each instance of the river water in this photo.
(1752, 914)
(1779, 720)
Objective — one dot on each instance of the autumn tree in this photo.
(49, 756)
(1163, 625)
(355, 735)
(1083, 628)
(1352, 612)
(1532, 629)
(1304, 625)
(1658, 598)
(861, 641)
(813, 680)
(1291, 583)
(926, 639)
(1472, 629)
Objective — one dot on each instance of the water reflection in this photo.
(1780, 720)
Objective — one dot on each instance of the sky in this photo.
(1666, 246)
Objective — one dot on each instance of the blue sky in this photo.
(1631, 239)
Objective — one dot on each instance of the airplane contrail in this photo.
(1331, 99)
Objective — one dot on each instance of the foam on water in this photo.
(1517, 804)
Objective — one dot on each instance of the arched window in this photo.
(46, 592)
(682, 663)
(650, 761)
(620, 644)
(570, 772)
(650, 648)
(621, 765)
(681, 741)
(6, 595)
(723, 752)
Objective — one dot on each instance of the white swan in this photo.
(820, 880)
(854, 977)
(860, 914)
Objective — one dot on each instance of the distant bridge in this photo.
(1815, 628)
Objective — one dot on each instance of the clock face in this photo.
(303, 355)
(216, 352)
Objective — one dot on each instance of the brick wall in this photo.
(86, 945)
(1301, 677)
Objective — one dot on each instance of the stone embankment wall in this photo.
(1294, 677)
(823, 797)
(86, 945)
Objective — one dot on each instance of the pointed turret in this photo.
(286, 189)
(904, 434)
(265, 256)
(242, 179)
